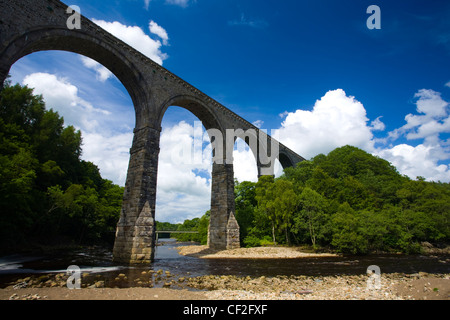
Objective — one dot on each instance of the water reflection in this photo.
(98, 262)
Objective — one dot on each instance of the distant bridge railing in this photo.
(169, 231)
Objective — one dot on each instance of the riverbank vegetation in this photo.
(349, 201)
(48, 195)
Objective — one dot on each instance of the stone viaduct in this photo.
(28, 26)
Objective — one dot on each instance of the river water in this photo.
(98, 261)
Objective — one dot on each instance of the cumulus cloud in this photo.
(137, 38)
(103, 73)
(336, 120)
(184, 179)
(429, 124)
(258, 123)
(377, 125)
(111, 153)
(63, 97)
(421, 160)
(159, 31)
(107, 148)
(431, 121)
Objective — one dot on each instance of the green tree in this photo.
(312, 217)
(347, 237)
(47, 193)
(285, 204)
(245, 203)
(265, 196)
(203, 226)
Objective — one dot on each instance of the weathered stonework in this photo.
(222, 205)
(28, 26)
(232, 232)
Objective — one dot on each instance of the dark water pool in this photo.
(98, 262)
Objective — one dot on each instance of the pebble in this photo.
(297, 287)
(28, 296)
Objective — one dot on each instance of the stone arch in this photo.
(223, 231)
(195, 105)
(59, 38)
(204, 113)
(285, 160)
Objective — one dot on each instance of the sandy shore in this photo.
(251, 253)
(99, 294)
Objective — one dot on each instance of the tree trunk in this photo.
(311, 234)
(287, 238)
(273, 234)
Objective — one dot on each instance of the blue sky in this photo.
(310, 70)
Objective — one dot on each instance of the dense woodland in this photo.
(348, 201)
(48, 195)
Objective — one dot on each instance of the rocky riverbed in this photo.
(165, 285)
(148, 284)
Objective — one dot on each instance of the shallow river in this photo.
(97, 261)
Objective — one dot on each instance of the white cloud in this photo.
(418, 161)
(336, 120)
(181, 3)
(432, 120)
(60, 95)
(107, 148)
(135, 37)
(184, 185)
(111, 153)
(447, 84)
(147, 4)
(424, 159)
(258, 123)
(283, 114)
(244, 161)
(159, 31)
(103, 73)
(377, 125)
(431, 103)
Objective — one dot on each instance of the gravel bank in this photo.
(420, 286)
(393, 287)
(252, 253)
